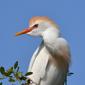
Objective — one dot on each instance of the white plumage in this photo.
(50, 62)
(44, 67)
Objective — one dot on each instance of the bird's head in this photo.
(38, 25)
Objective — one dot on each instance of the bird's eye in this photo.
(35, 26)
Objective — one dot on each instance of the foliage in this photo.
(13, 75)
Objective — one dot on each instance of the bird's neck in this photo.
(50, 35)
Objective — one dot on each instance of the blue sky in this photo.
(14, 16)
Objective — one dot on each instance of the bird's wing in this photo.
(63, 57)
(61, 52)
(34, 56)
(63, 49)
(59, 48)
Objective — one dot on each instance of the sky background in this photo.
(68, 14)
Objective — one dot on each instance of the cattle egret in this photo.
(50, 62)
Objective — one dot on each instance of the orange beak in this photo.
(24, 31)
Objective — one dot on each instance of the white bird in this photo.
(50, 62)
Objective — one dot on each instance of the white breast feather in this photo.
(38, 65)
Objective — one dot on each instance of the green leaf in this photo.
(0, 83)
(9, 71)
(11, 80)
(22, 78)
(28, 73)
(16, 64)
(2, 70)
(28, 81)
(18, 75)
